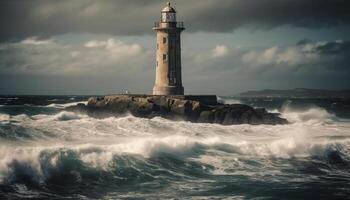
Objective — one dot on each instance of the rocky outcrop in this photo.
(172, 107)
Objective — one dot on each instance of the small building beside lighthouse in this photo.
(168, 57)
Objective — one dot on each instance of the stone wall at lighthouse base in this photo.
(168, 90)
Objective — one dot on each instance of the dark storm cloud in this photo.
(319, 64)
(20, 19)
(338, 47)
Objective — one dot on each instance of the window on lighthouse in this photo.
(168, 17)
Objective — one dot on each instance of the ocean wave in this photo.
(62, 154)
(52, 105)
(40, 164)
(145, 156)
(76, 126)
(4, 117)
(64, 105)
(95, 143)
(60, 116)
(311, 114)
(9, 98)
(64, 116)
(226, 100)
(24, 127)
(130, 152)
(290, 146)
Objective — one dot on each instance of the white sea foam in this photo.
(52, 105)
(228, 101)
(64, 116)
(53, 100)
(100, 153)
(65, 105)
(9, 98)
(4, 117)
(96, 141)
(313, 114)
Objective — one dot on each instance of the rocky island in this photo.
(200, 108)
(168, 99)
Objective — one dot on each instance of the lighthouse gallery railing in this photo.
(159, 25)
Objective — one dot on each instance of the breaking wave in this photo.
(69, 155)
(312, 113)
(149, 156)
(226, 100)
(4, 117)
(64, 105)
(65, 116)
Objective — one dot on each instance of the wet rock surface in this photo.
(176, 108)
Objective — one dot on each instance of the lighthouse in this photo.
(168, 57)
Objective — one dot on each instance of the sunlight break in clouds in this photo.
(276, 55)
(220, 51)
(114, 46)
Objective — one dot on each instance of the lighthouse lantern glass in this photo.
(168, 17)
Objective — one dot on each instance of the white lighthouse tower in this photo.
(168, 57)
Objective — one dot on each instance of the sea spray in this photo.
(4, 117)
(52, 153)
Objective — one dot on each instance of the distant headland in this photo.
(296, 93)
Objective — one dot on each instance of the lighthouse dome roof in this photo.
(168, 8)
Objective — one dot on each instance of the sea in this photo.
(49, 153)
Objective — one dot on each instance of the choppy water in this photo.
(48, 153)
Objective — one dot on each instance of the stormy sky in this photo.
(229, 46)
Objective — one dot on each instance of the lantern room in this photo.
(168, 14)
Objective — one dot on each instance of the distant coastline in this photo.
(296, 93)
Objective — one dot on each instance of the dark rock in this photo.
(173, 107)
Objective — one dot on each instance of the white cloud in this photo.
(121, 65)
(211, 55)
(95, 43)
(219, 51)
(284, 56)
(262, 57)
(291, 56)
(75, 53)
(284, 66)
(51, 58)
(115, 46)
